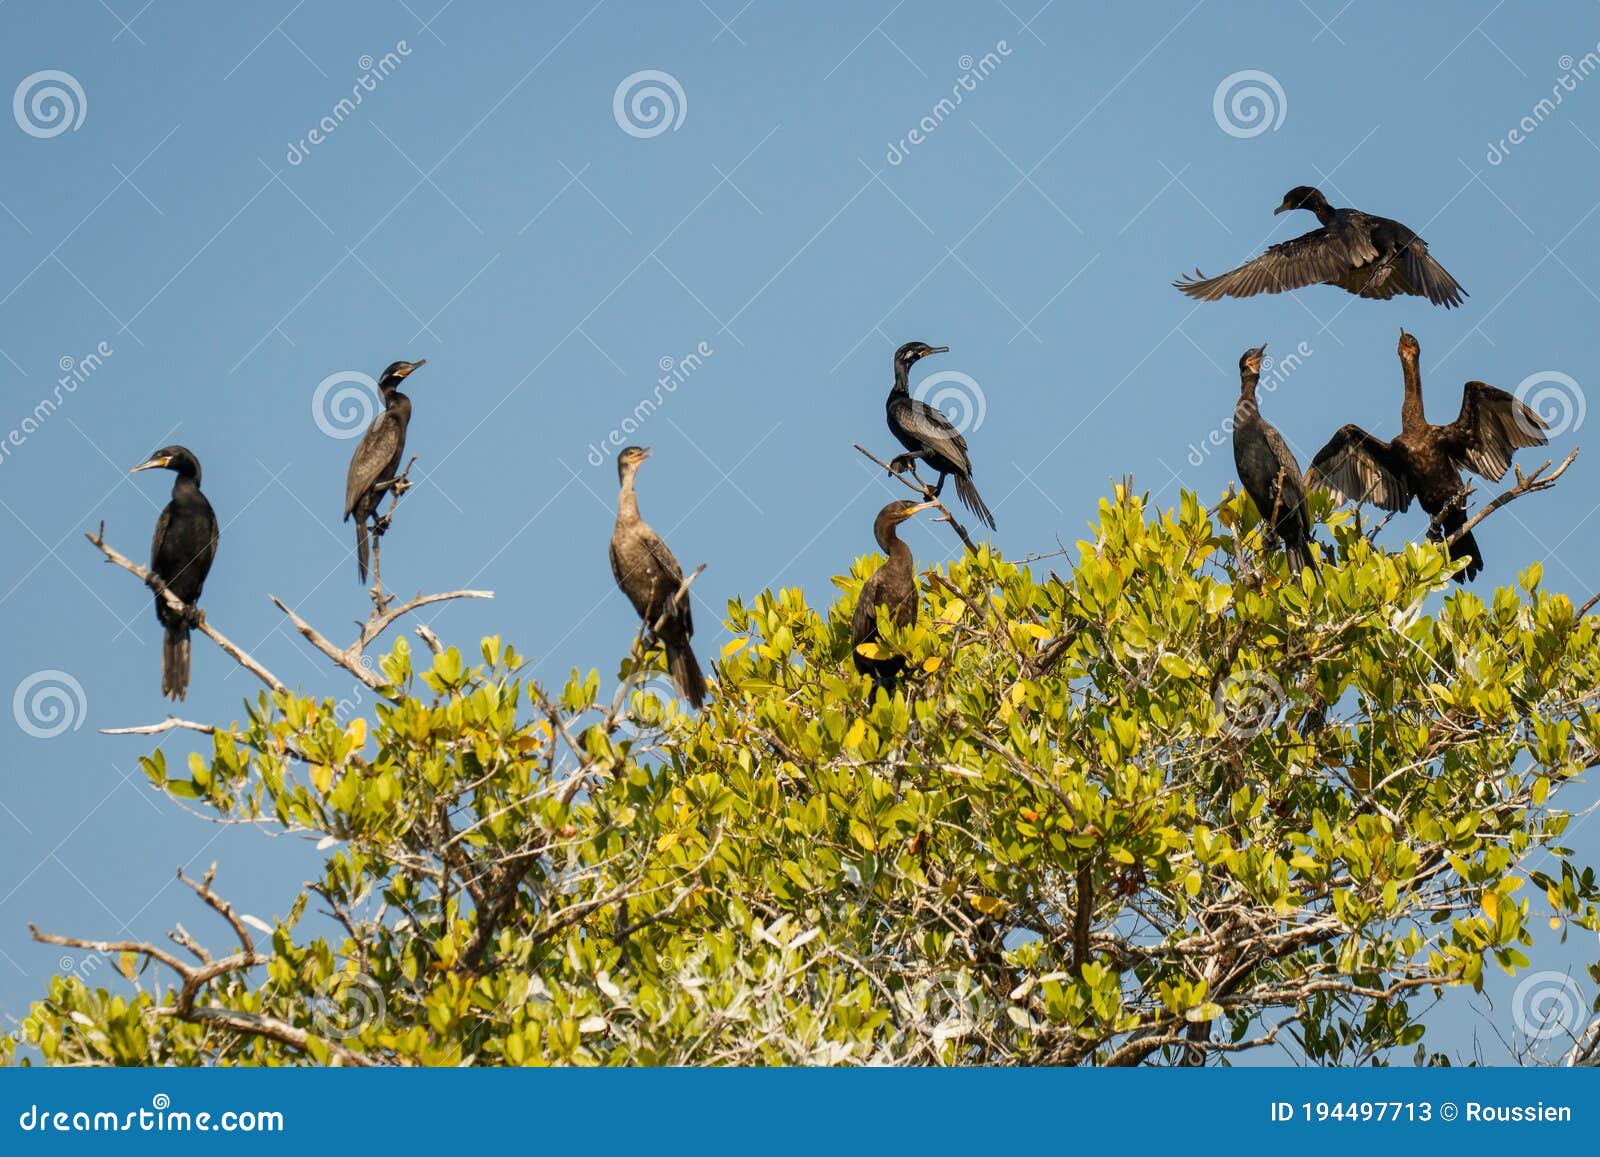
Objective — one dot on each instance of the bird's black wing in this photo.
(1322, 255)
(668, 562)
(1361, 468)
(928, 425)
(1427, 278)
(160, 536)
(380, 445)
(864, 620)
(1492, 426)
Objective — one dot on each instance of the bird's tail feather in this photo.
(1300, 556)
(972, 500)
(362, 548)
(1466, 547)
(686, 673)
(175, 661)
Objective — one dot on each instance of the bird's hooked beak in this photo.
(406, 373)
(1283, 208)
(936, 349)
(920, 507)
(153, 464)
(1253, 359)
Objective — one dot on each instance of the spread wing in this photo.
(1361, 468)
(1427, 278)
(928, 425)
(1492, 425)
(380, 445)
(1322, 255)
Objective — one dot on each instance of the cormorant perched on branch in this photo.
(893, 586)
(1425, 461)
(181, 551)
(1367, 255)
(377, 458)
(1268, 470)
(927, 434)
(650, 576)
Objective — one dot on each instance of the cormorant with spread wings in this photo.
(1367, 255)
(1425, 461)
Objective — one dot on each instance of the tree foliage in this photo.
(1164, 806)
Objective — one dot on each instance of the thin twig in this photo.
(1526, 484)
(174, 603)
(916, 484)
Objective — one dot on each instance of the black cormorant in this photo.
(1425, 461)
(1268, 470)
(650, 576)
(892, 586)
(181, 551)
(1369, 256)
(927, 434)
(377, 458)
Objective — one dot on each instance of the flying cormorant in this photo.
(1368, 255)
(927, 434)
(1425, 461)
(181, 551)
(650, 576)
(892, 586)
(377, 458)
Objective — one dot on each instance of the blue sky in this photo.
(484, 207)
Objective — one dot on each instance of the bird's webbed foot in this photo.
(903, 462)
(938, 486)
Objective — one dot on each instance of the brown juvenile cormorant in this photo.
(1268, 470)
(181, 551)
(927, 434)
(1425, 461)
(377, 458)
(650, 576)
(892, 586)
(1367, 255)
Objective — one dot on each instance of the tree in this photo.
(1166, 806)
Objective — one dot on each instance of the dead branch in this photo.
(196, 977)
(174, 603)
(350, 657)
(396, 486)
(915, 483)
(170, 723)
(1526, 484)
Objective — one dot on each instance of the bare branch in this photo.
(916, 484)
(170, 723)
(1526, 484)
(349, 657)
(173, 602)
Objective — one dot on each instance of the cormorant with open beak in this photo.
(377, 459)
(181, 552)
(1268, 469)
(927, 434)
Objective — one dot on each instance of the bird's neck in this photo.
(393, 399)
(1324, 211)
(627, 502)
(1411, 415)
(899, 553)
(902, 378)
(186, 485)
(1247, 391)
